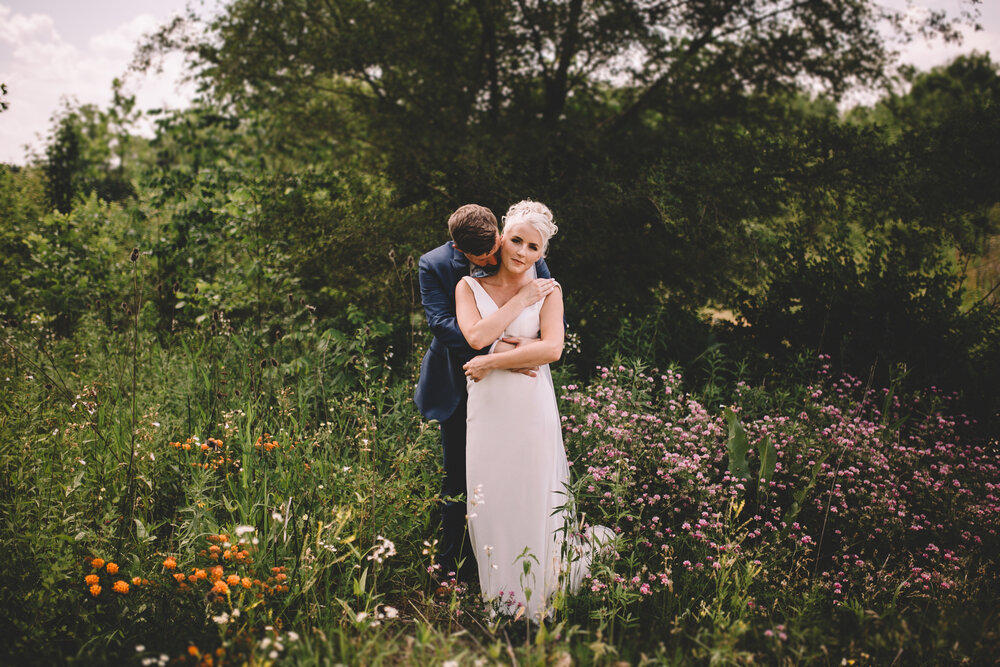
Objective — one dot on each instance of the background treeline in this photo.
(711, 195)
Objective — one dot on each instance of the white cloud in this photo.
(40, 69)
(18, 28)
(121, 41)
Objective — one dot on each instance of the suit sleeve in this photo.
(542, 269)
(439, 308)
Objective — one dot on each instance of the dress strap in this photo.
(484, 302)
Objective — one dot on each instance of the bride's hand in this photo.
(503, 346)
(536, 290)
(512, 343)
(478, 367)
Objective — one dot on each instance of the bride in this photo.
(520, 517)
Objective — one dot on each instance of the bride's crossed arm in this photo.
(482, 331)
(546, 349)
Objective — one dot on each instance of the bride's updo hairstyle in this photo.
(535, 214)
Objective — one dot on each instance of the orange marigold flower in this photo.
(170, 563)
(193, 650)
(112, 568)
(186, 446)
(92, 579)
(121, 587)
(215, 548)
(281, 576)
(179, 578)
(204, 446)
(97, 563)
(136, 581)
(95, 590)
(217, 572)
(200, 574)
(245, 582)
(233, 580)
(220, 587)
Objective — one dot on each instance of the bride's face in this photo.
(522, 247)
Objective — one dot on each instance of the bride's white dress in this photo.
(517, 474)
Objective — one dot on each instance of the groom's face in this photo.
(487, 258)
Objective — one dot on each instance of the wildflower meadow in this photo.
(204, 499)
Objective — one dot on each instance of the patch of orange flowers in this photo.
(93, 580)
(238, 559)
(266, 443)
(213, 449)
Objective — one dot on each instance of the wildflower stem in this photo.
(128, 499)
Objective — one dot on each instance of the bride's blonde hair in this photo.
(535, 214)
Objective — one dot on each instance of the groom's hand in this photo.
(477, 368)
(536, 290)
(511, 343)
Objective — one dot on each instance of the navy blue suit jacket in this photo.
(441, 387)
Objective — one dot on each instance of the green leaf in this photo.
(737, 445)
(768, 458)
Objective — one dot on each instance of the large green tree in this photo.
(675, 140)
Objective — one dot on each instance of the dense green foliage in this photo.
(673, 140)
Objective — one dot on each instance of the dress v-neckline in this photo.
(492, 300)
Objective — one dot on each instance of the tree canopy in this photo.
(696, 155)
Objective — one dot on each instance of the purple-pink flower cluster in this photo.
(873, 495)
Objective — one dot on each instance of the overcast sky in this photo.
(56, 49)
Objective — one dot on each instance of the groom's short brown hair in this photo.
(474, 229)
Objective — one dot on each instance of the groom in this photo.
(441, 395)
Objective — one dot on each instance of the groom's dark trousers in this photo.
(441, 392)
